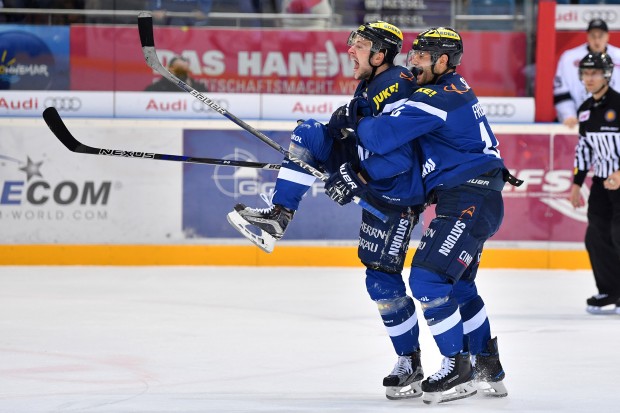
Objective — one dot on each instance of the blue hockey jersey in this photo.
(394, 174)
(450, 125)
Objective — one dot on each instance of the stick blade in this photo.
(145, 27)
(59, 129)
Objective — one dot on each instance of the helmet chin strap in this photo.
(374, 68)
(436, 76)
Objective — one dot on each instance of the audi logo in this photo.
(608, 15)
(66, 103)
(198, 106)
(499, 110)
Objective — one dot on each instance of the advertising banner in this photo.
(34, 57)
(182, 105)
(211, 193)
(539, 209)
(31, 103)
(577, 16)
(271, 61)
(51, 195)
(279, 107)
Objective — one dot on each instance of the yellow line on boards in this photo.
(283, 255)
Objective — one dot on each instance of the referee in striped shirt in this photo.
(599, 148)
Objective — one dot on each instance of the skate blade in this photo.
(492, 389)
(459, 392)
(263, 241)
(407, 392)
(608, 309)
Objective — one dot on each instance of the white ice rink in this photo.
(241, 339)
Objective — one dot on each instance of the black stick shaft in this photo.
(59, 129)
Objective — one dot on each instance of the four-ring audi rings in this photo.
(198, 106)
(608, 15)
(499, 110)
(66, 103)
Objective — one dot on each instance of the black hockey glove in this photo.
(345, 118)
(344, 184)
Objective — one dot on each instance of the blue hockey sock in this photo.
(446, 326)
(476, 325)
(401, 321)
(292, 183)
(441, 309)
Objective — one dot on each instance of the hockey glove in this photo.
(359, 108)
(345, 118)
(343, 185)
(338, 123)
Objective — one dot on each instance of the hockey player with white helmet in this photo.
(464, 173)
(568, 90)
(391, 182)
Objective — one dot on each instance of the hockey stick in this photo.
(58, 128)
(145, 27)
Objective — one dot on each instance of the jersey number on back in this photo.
(489, 145)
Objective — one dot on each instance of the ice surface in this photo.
(247, 339)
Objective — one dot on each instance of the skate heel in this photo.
(461, 391)
(492, 389)
(489, 373)
(259, 237)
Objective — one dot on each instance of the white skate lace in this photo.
(446, 368)
(268, 198)
(403, 366)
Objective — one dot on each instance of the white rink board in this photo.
(79, 198)
(144, 202)
(242, 105)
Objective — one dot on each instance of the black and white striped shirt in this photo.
(599, 137)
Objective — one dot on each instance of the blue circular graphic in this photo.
(26, 62)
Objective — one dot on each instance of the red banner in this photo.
(539, 209)
(271, 61)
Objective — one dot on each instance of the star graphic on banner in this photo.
(31, 169)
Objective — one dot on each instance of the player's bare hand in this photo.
(571, 122)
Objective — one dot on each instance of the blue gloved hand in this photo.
(343, 185)
(344, 119)
(360, 108)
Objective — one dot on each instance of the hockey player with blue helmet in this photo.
(390, 181)
(463, 171)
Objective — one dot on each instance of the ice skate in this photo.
(602, 304)
(489, 373)
(262, 226)
(453, 381)
(404, 380)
